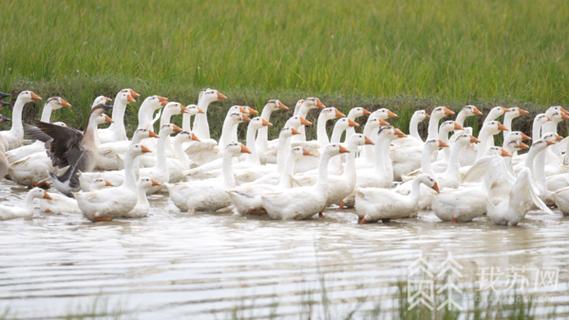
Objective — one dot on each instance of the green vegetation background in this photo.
(399, 54)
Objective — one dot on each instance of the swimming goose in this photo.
(14, 137)
(302, 202)
(381, 174)
(108, 203)
(117, 131)
(24, 210)
(206, 97)
(144, 185)
(373, 204)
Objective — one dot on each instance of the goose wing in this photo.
(64, 147)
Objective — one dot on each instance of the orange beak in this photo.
(221, 96)
(305, 122)
(282, 106)
(266, 123)
(427, 115)
(457, 126)
(442, 144)
(448, 112)
(366, 112)
(35, 96)
(294, 132)
(383, 122)
(473, 139)
(564, 116)
(244, 149)
(399, 133)
(368, 141)
(523, 112)
(145, 149)
(352, 123)
(176, 129)
(549, 142)
(344, 149)
(108, 184)
(558, 137)
(108, 119)
(339, 114)
(46, 196)
(523, 146)
(252, 111)
(155, 183)
(436, 187)
(183, 109)
(152, 134)
(64, 103)
(195, 138)
(109, 100)
(476, 111)
(502, 127)
(504, 110)
(307, 153)
(130, 97)
(163, 101)
(505, 153)
(525, 137)
(134, 94)
(391, 114)
(319, 104)
(245, 117)
(200, 110)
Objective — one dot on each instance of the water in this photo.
(174, 265)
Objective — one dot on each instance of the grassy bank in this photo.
(400, 54)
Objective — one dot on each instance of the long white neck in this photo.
(163, 144)
(302, 111)
(321, 133)
(282, 147)
(89, 135)
(426, 159)
(414, 127)
(17, 128)
(433, 127)
(29, 201)
(263, 132)
(180, 154)
(46, 113)
(350, 171)
(530, 158)
(484, 137)
(322, 182)
(508, 118)
(549, 127)
(166, 116)
(145, 114)
(337, 133)
(443, 136)
(536, 130)
(453, 165)
(187, 122)
(119, 109)
(381, 147)
(226, 132)
(461, 117)
(539, 168)
(201, 127)
(228, 177)
(415, 191)
(368, 150)
(129, 174)
(250, 143)
(142, 200)
(286, 174)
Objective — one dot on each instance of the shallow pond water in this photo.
(174, 265)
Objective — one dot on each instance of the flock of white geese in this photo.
(381, 172)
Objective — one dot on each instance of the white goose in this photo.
(23, 211)
(301, 109)
(147, 109)
(262, 139)
(14, 137)
(381, 175)
(302, 202)
(142, 207)
(191, 110)
(206, 97)
(116, 131)
(353, 115)
(108, 203)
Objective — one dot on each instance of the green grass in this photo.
(396, 53)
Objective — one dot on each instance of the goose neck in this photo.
(283, 145)
(17, 128)
(433, 130)
(250, 143)
(337, 133)
(461, 117)
(201, 126)
(187, 122)
(119, 109)
(46, 113)
(321, 133)
(414, 127)
(228, 177)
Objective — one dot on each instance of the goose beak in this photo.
(505, 153)
(47, 196)
(108, 183)
(107, 99)
(525, 137)
(383, 123)
(152, 134)
(108, 120)
(399, 134)
(130, 97)
(558, 137)
(523, 146)
(305, 122)
(473, 139)
(282, 106)
(427, 116)
(134, 94)
(442, 144)
(184, 109)
(448, 112)
(523, 112)
(195, 138)
(368, 141)
(252, 111)
(244, 149)
(502, 127)
(366, 112)
(504, 110)
(176, 129)
(391, 114)
(352, 123)
(145, 149)
(200, 110)
(436, 187)
(320, 105)
(344, 149)
(163, 101)
(564, 116)
(477, 111)
(155, 183)
(339, 114)
(549, 142)
(35, 97)
(221, 96)
(294, 132)
(457, 126)
(308, 153)
(245, 117)
(266, 123)
(64, 103)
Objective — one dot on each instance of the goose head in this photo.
(517, 136)
(167, 129)
(345, 123)
(147, 183)
(298, 152)
(471, 110)
(98, 115)
(330, 113)
(449, 126)
(359, 139)
(175, 108)
(297, 121)
(193, 109)
(433, 145)
(557, 116)
(384, 114)
(185, 136)
(39, 193)
(235, 149)
(138, 149)
(420, 115)
(496, 112)
(494, 127)
(358, 112)
(497, 151)
(441, 112)
(515, 112)
(140, 134)
(464, 140)
(551, 138)
(335, 149)
(154, 102)
(28, 96)
(389, 133)
(313, 103)
(102, 183)
(101, 100)
(127, 96)
(428, 181)
(276, 104)
(553, 109)
(57, 103)
(258, 122)
(211, 95)
(288, 132)
(540, 119)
